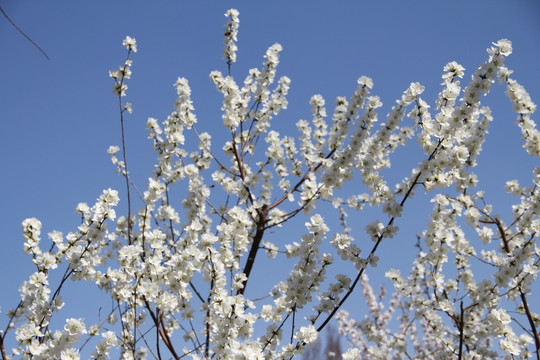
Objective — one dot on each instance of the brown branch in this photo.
(528, 313)
(221, 166)
(261, 222)
(531, 322)
(160, 327)
(241, 168)
(293, 213)
(22, 32)
(124, 153)
(300, 182)
(158, 356)
(207, 325)
(8, 327)
(377, 243)
(275, 332)
(461, 325)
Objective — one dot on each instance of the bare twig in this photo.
(22, 32)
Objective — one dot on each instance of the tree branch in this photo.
(22, 32)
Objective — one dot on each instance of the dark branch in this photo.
(22, 32)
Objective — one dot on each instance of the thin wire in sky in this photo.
(22, 32)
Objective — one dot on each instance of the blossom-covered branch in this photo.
(177, 269)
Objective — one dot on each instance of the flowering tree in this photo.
(179, 272)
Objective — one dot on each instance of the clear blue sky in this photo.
(58, 117)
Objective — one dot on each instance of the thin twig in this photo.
(22, 32)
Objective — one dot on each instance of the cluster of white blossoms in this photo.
(82, 251)
(462, 316)
(181, 269)
(231, 36)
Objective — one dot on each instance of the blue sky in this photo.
(58, 117)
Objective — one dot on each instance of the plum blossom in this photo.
(182, 265)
